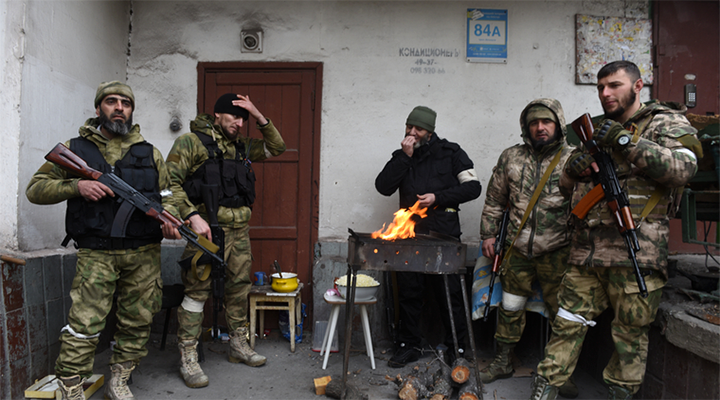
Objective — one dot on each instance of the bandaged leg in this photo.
(190, 317)
(511, 318)
(563, 350)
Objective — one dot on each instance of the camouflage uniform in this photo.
(136, 272)
(540, 250)
(601, 274)
(186, 156)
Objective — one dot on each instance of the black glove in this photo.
(577, 164)
(613, 134)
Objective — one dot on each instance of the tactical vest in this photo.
(89, 223)
(235, 177)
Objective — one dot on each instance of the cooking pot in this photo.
(286, 283)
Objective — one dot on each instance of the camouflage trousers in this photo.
(237, 285)
(517, 278)
(136, 274)
(587, 292)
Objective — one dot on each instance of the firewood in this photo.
(461, 371)
(334, 391)
(442, 384)
(414, 388)
(470, 389)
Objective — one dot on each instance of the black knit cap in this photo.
(224, 105)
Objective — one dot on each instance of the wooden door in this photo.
(687, 50)
(284, 220)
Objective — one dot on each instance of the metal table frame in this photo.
(440, 264)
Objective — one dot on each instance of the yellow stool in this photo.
(263, 298)
(336, 302)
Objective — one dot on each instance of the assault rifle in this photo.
(608, 187)
(497, 260)
(130, 198)
(211, 196)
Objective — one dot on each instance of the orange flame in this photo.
(403, 226)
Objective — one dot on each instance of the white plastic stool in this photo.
(336, 302)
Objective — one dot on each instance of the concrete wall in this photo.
(69, 48)
(369, 86)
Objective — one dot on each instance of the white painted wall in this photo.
(368, 87)
(70, 47)
(11, 52)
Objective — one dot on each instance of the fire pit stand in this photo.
(429, 254)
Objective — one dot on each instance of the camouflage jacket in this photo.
(656, 159)
(188, 154)
(51, 185)
(514, 180)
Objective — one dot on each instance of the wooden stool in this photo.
(336, 302)
(264, 298)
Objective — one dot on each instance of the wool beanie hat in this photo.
(540, 112)
(114, 87)
(422, 117)
(224, 105)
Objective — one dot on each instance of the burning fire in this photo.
(403, 226)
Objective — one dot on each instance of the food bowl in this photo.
(285, 284)
(361, 293)
(365, 288)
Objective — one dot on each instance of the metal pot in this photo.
(286, 283)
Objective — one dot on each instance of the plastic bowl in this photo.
(285, 284)
(364, 293)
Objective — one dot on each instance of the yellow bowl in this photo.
(285, 284)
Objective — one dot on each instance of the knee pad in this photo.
(192, 305)
(513, 302)
(567, 315)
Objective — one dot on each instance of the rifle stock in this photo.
(617, 200)
(211, 199)
(71, 162)
(497, 260)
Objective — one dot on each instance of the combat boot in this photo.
(620, 393)
(192, 374)
(117, 388)
(569, 389)
(240, 350)
(71, 387)
(542, 389)
(501, 367)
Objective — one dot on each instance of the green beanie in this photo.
(422, 117)
(539, 112)
(114, 87)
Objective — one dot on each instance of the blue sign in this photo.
(487, 35)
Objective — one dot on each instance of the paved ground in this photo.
(290, 375)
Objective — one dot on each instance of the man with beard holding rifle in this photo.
(655, 150)
(108, 143)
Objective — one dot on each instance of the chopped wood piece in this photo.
(320, 384)
(470, 390)
(461, 371)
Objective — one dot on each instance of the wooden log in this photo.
(334, 391)
(461, 371)
(470, 390)
(414, 388)
(442, 383)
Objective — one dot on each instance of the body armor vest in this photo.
(235, 177)
(89, 222)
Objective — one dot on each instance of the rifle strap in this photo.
(535, 198)
(652, 202)
(206, 268)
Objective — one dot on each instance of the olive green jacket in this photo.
(514, 180)
(51, 185)
(188, 154)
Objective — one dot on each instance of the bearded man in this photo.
(540, 246)
(129, 265)
(656, 151)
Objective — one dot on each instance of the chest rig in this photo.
(234, 176)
